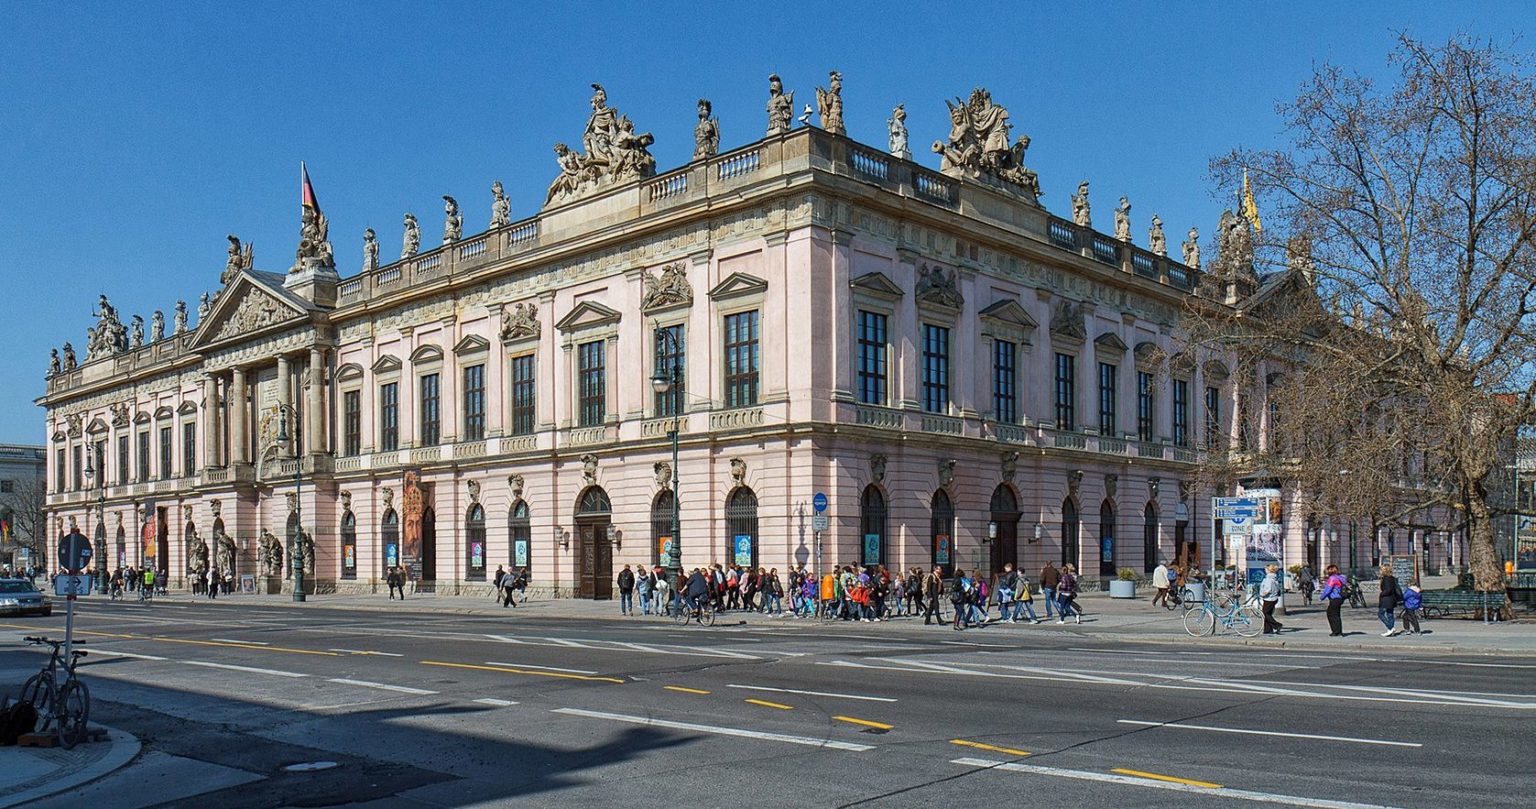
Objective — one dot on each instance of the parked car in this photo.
(21, 597)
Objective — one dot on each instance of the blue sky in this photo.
(133, 137)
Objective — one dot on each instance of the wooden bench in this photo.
(1440, 603)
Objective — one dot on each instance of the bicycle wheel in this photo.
(73, 710)
(1246, 621)
(38, 691)
(681, 616)
(1199, 622)
(707, 616)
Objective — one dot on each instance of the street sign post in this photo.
(74, 552)
(74, 556)
(819, 522)
(819, 502)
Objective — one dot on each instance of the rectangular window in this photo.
(389, 416)
(474, 403)
(1109, 377)
(143, 475)
(1066, 392)
(1180, 413)
(872, 349)
(741, 359)
(79, 468)
(352, 422)
(58, 470)
(1005, 381)
(592, 383)
(166, 473)
(523, 392)
(431, 415)
(188, 449)
(122, 460)
(99, 460)
(1212, 415)
(935, 369)
(7, 487)
(669, 356)
(1145, 413)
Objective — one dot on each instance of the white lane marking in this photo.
(247, 642)
(1478, 665)
(722, 731)
(969, 643)
(124, 654)
(1130, 780)
(810, 693)
(500, 703)
(1223, 655)
(542, 668)
(364, 652)
(381, 686)
(250, 669)
(1266, 733)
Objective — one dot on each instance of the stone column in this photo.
(210, 422)
(314, 405)
(239, 422)
(285, 400)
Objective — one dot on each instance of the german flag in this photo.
(309, 200)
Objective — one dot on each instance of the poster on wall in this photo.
(665, 550)
(520, 553)
(391, 554)
(148, 537)
(743, 548)
(349, 557)
(414, 505)
(477, 555)
(871, 550)
(1525, 544)
(941, 549)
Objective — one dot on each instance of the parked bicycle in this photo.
(1224, 612)
(64, 706)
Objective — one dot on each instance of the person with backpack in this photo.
(960, 597)
(1269, 596)
(1307, 584)
(1387, 600)
(1413, 599)
(732, 587)
(1333, 593)
(626, 582)
(933, 587)
(1023, 600)
(773, 593)
(1066, 593)
(644, 584)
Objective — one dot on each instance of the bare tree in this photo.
(25, 505)
(1396, 329)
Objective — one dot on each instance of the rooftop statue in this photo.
(156, 326)
(1123, 220)
(1080, 211)
(53, 362)
(138, 332)
(239, 259)
(1155, 238)
(370, 250)
(1234, 239)
(896, 125)
(412, 241)
(453, 220)
(501, 207)
(615, 153)
(180, 318)
(1192, 249)
(314, 230)
(781, 106)
(69, 357)
(109, 336)
(979, 144)
(706, 133)
(829, 104)
(203, 305)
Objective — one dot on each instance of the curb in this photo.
(124, 749)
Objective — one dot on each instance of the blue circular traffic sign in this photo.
(819, 502)
(74, 552)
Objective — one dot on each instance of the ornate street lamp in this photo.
(101, 516)
(664, 380)
(296, 550)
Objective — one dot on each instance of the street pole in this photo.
(662, 382)
(296, 550)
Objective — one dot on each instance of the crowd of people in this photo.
(27, 572)
(145, 580)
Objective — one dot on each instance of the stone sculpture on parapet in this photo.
(615, 153)
(501, 207)
(979, 145)
(53, 363)
(412, 242)
(453, 220)
(203, 305)
(314, 245)
(706, 134)
(1155, 238)
(157, 326)
(370, 250)
(180, 318)
(829, 104)
(138, 332)
(1192, 249)
(781, 106)
(1123, 220)
(240, 258)
(896, 126)
(69, 357)
(1081, 214)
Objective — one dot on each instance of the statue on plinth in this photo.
(1123, 220)
(501, 206)
(453, 221)
(370, 251)
(829, 104)
(896, 126)
(69, 357)
(314, 230)
(1080, 211)
(156, 326)
(1192, 249)
(706, 133)
(240, 258)
(138, 332)
(781, 106)
(1155, 238)
(979, 144)
(180, 318)
(615, 153)
(203, 305)
(53, 362)
(269, 554)
(412, 241)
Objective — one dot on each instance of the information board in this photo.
(1405, 568)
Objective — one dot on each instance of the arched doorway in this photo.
(122, 547)
(428, 547)
(1149, 548)
(664, 548)
(594, 553)
(941, 532)
(1069, 532)
(520, 530)
(1107, 539)
(1005, 514)
(389, 540)
(872, 526)
(741, 527)
(474, 546)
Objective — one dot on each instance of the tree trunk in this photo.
(1487, 573)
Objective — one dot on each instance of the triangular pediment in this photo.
(97, 426)
(736, 285)
(471, 344)
(164, 412)
(141, 418)
(386, 364)
(187, 408)
(586, 315)
(1008, 312)
(244, 308)
(878, 284)
(1148, 355)
(1110, 343)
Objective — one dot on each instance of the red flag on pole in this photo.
(309, 190)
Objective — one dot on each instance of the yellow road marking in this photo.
(510, 670)
(864, 722)
(245, 646)
(980, 746)
(767, 704)
(102, 634)
(1169, 778)
(684, 690)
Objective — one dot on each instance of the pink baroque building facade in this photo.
(969, 379)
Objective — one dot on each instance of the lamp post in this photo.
(296, 551)
(101, 516)
(663, 381)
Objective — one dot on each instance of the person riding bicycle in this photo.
(697, 591)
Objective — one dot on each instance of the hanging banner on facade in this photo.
(477, 556)
(414, 505)
(349, 557)
(666, 551)
(520, 553)
(148, 536)
(1525, 544)
(871, 550)
(743, 546)
(941, 549)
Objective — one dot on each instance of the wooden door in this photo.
(602, 568)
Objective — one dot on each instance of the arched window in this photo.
(741, 527)
(521, 532)
(1107, 538)
(664, 548)
(941, 531)
(389, 540)
(348, 545)
(1069, 532)
(474, 546)
(872, 526)
(1150, 551)
(593, 501)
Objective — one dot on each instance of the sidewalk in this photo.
(1128, 620)
(31, 773)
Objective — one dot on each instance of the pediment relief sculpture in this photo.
(253, 311)
(520, 321)
(669, 287)
(940, 286)
(1067, 319)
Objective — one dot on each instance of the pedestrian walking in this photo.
(1413, 599)
(1387, 600)
(1306, 581)
(1160, 581)
(1333, 593)
(395, 582)
(1269, 596)
(1066, 593)
(645, 583)
(960, 597)
(1024, 600)
(626, 582)
(773, 594)
(933, 587)
(1050, 579)
(501, 575)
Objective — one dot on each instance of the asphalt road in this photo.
(422, 708)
